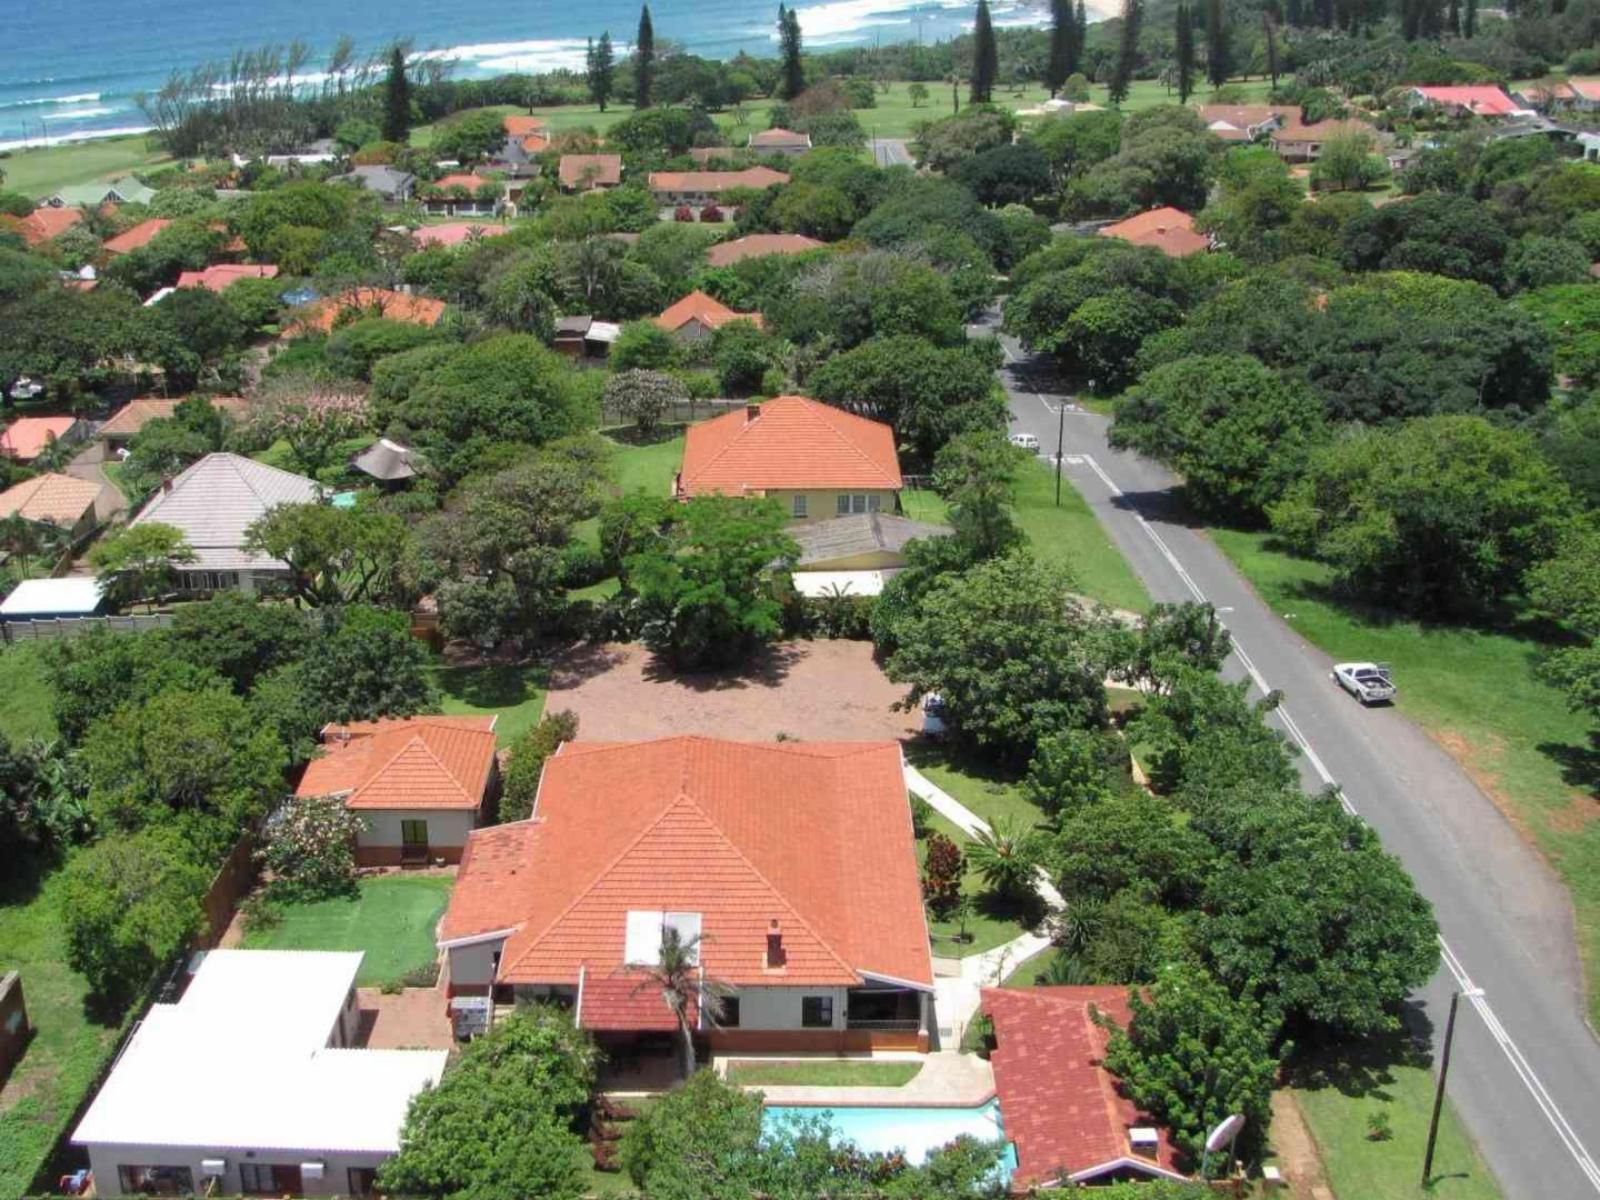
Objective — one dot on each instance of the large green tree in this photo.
(599, 70)
(334, 555)
(1127, 52)
(985, 55)
(397, 99)
(1567, 586)
(139, 562)
(1063, 31)
(792, 70)
(1219, 45)
(644, 59)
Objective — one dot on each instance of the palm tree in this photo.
(678, 974)
(1005, 858)
(1064, 970)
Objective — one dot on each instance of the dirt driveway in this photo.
(813, 691)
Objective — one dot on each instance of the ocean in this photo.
(72, 67)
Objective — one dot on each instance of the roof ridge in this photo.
(416, 739)
(811, 409)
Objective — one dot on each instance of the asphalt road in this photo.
(890, 152)
(1525, 1073)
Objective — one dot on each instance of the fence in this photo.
(236, 877)
(71, 627)
(678, 412)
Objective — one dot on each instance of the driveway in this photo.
(811, 691)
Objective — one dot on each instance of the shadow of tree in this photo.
(768, 667)
(1580, 765)
(1363, 1068)
(580, 663)
(494, 686)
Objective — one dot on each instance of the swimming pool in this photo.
(916, 1131)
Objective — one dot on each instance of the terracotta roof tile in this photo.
(590, 170)
(757, 244)
(42, 224)
(1483, 99)
(28, 437)
(499, 861)
(709, 311)
(792, 442)
(136, 414)
(455, 233)
(779, 138)
(222, 276)
(140, 235)
(416, 763)
(397, 306)
(624, 1000)
(1062, 1108)
(58, 499)
(1169, 230)
(715, 181)
(519, 126)
(471, 181)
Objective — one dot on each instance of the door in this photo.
(286, 1180)
(413, 841)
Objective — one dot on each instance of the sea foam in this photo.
(80, 98)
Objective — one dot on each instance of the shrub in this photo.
(683, 213)
(1379, 1128)
(527, 762)
(711, 213)
(310, 848)
(941, 875)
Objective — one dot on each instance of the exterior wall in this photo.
(768, 1008)
(472, 967)
(380, 842)
(104, 1160)
(872, 560)
(814, 1041)
(14, 1027)
(822, 503)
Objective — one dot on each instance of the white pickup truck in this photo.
(1370, 683)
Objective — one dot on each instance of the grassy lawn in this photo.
(1030, 971)
(982, 789)
(44, 169)
(25, 696)
(391, 918)
(1337, 1104)
(648, 468)
(1071, 534)
(514, 693)
(823, 1074)
(993, 922)
(1476, 694)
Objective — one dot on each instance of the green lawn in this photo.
(514, 693)
(391, 918)
(25, 696)
(1073, 535)
(979, 787)
(1030, 971)
(993, 922)
(648, 468)
(823, 1073)
(67, 1050)
(43, 170)
(1476, 693)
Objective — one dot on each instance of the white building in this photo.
(248, 1085)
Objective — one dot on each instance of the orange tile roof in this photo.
(469, 181)
(1589, 89)
(1062, 1109)
(139, 236)
(817, 836)
(1321, 131)
(517, 126)
(136, 414)
(708, 310)
(536, 143)
(779, 137)
(793, 443)
(42, 224)
(757, 244)
(715, 181)
(590, 170)
(1483, 99)
(59, 499)
(455, 233)
(625, 1000)
(397, 306)
(1169, 230)
(28, 437)
(416, 763)
(222, 276)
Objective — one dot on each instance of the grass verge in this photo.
(513, 693)
(1475, 692)
(25, 695)
(993, 921)
(823, 1074)
(391, 918)
(44, 169)
(1071, 534)
(978, 787)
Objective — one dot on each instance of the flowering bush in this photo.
(310, 848)
(941, 875)
(683, 213)
(711, 213)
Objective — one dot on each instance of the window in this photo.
(362, 1180)
(730, 1012)
(816, 1012)
(844, 505)
(156, 1181)
(270, 1179)
(858, 503)
(798, 508)
(414, 833)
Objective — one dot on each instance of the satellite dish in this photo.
(1227, 1129)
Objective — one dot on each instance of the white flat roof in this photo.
(242, 1061)
(74, 594)
(849, 583)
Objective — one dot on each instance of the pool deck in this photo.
(947, 1080)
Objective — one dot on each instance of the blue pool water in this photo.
(915, 1131)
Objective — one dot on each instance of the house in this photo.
(704, 156)
(139, 236)
(212, 502)
(1246, 122)
(586, 172)
(253, 1083)
(421, 784)
(68, 598)
(1480, 100)
(584, 337)
(73, 505)
(1303, 143)
(1064, 1116)
(522, 127)
(790, 868)
(1169, 230)
(698, 316)
(780, 141)
(26, 438)
(815, 460)
(1571, 95)
(41, 224)
(854, 555)
(463, 194)
(725, 254)
(373, 302)
(700, 188)
(126, 190)
(133, 416)
(222, 276)
(455, 233)
(385, 461)
(390, 184)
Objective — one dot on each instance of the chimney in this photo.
(751, 412)
(166, 483)
(775, 955)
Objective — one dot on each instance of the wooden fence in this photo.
(235, 878)
(71, 627)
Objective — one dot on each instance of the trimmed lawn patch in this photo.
(42, 170)
(1073, 535)
(391, 918)
(648, 468)
(1475, 692)
(993, 922)
(823, 1073)
(25, 695)
(514, 693)
(1030, 972)
(979, 787)
(924, 504)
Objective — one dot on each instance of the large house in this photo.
(127, 422)
(1246, 122)
(585, 172)
(1169, 230)
(421, 784)
(1479, 100)
(253, 1084)
(698, 316)
(789, 869)
(126, 190)
(463, 195)
(389, 184)
(1303, 143)
(42, 224)
(780, 141)
(212, 503)
(700, 188)
(219, 277)
(372, 302)
(137, 237)
(815, 460)
(1064, 1115)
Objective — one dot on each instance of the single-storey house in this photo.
(1169, 230)
(54, 599)
(253, 1084)
(1304, 143)
(463, 195)
(790, 870)
(700, 188)
(1479, 100)
(221, 276)
(816, 460)
(390, 184)
(1570, 95)
(127, 421)
(373, 302)
(584, 337)
(421, 784)
(26, 438)
(126, 190)
(698, 316)
(780, 141)
(1246, 122)
(41, 224)
(72, 505)
(455, 233)
(137, 237)
(212, 502)
(520, 127)
(385, 461)
(1064, 1116)
(855, 555)
(585, 172)
(756, 245)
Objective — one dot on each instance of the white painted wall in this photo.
(446, 827)
(104, 1160)
(474, 965)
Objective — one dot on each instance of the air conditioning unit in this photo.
(213, 1168)
(1144, 1140)
(312, 1170)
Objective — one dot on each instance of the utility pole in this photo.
(1061, 438)
(1444, 1071)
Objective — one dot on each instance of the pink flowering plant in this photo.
(310, 848)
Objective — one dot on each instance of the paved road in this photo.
(890, 152)
(1526, 1069)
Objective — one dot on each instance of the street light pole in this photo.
(1444, 1071)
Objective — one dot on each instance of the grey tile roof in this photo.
(385, 460)
(216, 499)
(844, 537)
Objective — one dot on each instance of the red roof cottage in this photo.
(698, 316)
(1169, 230)
(792, 864)
(422, 783)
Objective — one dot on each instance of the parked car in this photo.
(1369, 683)
(933, 715)
(1025, 441)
